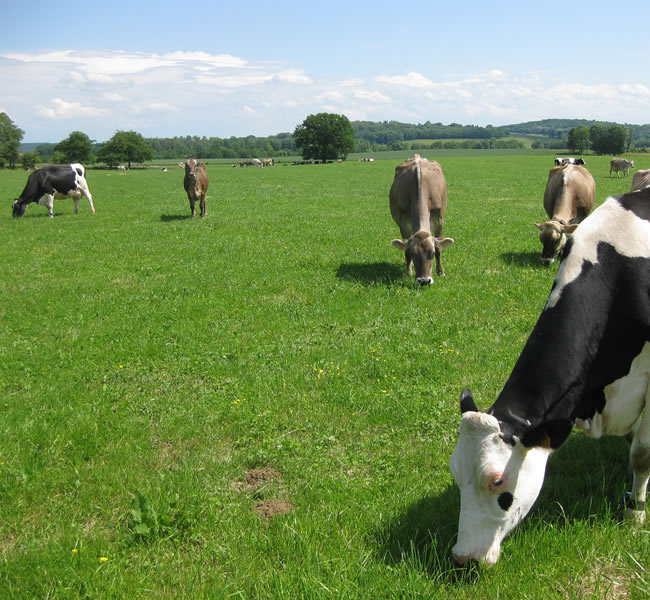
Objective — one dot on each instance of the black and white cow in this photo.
(585, 364)
(56, 181)
(568, 160)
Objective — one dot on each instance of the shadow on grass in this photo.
(584, 481)
(168, 218)
(522, 259)
(422, 537)
(370, 273)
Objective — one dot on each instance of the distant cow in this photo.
(196, 185)
(56, 181)
(418, 200)
(122, 168)
(586, 364)
(268, 162)
(620, 164)
(568, 198)
(568, 160)
(640, 180)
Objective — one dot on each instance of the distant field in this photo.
(261, 405)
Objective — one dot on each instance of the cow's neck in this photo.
(550, 377)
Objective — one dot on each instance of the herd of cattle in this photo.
(586, 363)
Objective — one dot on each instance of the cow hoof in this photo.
(635, 517)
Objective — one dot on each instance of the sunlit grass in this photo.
(143, 352)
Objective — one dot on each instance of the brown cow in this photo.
(568, 199)
(640, 180)
(196, 184)
(620, 164)
(418, 200)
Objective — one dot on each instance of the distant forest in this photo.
(378, 136)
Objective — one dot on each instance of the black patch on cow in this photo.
(505, 500)
(583, 343)
(637, 202)
(549, 434)
(467, 401)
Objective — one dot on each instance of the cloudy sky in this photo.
(225, 69)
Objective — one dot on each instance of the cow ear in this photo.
(467, 402)
(539, 226)
(400, 244)
(551, 434)
(443, 243)
(569, 229)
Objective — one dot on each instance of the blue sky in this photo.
(234, 69)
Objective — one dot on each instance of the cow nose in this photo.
(461, 561)
(546, 261)
(424, 280)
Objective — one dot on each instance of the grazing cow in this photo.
(640, 180)
(56, 181)
(585, 364)
(268, 162)
(196, 185)
(122, 168)
(418, 200)
(568, 198)
(568, 160)
(620, 164)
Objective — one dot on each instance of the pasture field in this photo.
(261, 405)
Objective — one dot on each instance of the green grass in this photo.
(147, 355)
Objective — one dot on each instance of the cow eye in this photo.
(505, 500)
(498, 481)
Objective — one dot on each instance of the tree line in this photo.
(362, 136)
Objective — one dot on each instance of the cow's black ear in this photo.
(551, 434)
(467, 402)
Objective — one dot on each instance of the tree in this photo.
(10, 138)
(578, 139)
(125, 146)
(608, 139)
(325, 136)
(30, 160)
(77, 147)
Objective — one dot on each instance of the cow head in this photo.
(553, 235)
(422, 247)
(19, 208)
(499, 477)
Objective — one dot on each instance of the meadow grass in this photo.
(168, 383)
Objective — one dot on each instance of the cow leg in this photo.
(439, 268)
(76, 205)
(48, 200)
(204, 212)
(192, 208)
(640, 463)
(408, 255)
(90, 202)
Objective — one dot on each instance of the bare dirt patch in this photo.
(272, 508)
(257, 478)
(265, 485)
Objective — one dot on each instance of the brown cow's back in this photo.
(570, 193)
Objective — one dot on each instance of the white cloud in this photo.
(197, 93)
(69, 110)
(371, 96)
(411, 79)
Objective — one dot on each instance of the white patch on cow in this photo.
(625, 399)
(609, 223)
(485, 468)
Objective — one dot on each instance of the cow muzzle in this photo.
(424, 280)
(546, 261)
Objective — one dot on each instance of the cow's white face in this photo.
(499, 482)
